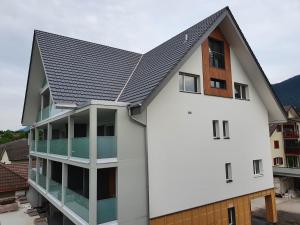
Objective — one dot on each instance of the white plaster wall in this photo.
(5, 159)
(277, 152)
(186, 165)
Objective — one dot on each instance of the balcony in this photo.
(42, 146)
(59, 146)
(106, 210)
(80, 147)
(33, 174)
(55, 189)
(42, 181)
(290, 134)
(106, 147)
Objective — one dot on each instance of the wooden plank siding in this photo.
(217, 214)
(211, 72)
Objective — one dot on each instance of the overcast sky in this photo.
(271, 28)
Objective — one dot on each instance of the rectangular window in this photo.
(231, 216)
(278, 161)
(225, 129)
(216, 83)
(257, 167)
(276, 144)
(216, 53)
(189, 82)
(228, 172)
(241, 91)
(278, 128)
(216, 132)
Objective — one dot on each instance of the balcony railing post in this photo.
(70, 135)
(37, 170)
(48, 175)
(93, 168)
(64, 181)
(49, 136)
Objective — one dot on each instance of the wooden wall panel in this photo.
(211, 72)
(217, 214)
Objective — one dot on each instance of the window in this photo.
(216, 53)
(216, 132)
(225, 129)
(216, 83)
(277, 161)
(241, 91)
(257, 167)
(276, 144)
(231, 216)
(278, 128)
(189, 83)
(228, 172)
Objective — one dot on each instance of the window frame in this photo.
(213, 53)
(216, 129)
(231, 216)
(215, 81)
(258, 167)
(276, 144)
(240, 86)
(182, 87)
(226, 134)
(228, 172)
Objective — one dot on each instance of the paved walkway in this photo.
(18, 217)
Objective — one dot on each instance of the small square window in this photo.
(216, 83)
(189, 83)
(228, 172)
(276, 144)
(225, 129)
(241, 91)
(216, 131)
(278, 161)
(257, 167)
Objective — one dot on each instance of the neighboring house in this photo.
(285, 148)
(161, 138)
(14, 151)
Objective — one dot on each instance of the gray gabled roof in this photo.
(78, 71)
(156, 64)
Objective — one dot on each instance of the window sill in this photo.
(189, 92)
(258, 175)
(229, 181)
(226, 138)
(217, 138)
(242, 99)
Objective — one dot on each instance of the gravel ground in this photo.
(288, 210)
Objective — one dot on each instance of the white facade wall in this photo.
(278, 152)
(186, 165)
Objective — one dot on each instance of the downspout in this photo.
(146, 159)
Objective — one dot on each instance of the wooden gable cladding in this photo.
(211, 72)
(217, 213)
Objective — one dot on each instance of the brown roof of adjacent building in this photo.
(16, 150)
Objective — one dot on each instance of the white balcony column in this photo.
(64, 181)
(37, 170)
(30, 139)
(36, 138)
(48, 174)
(42, 106)
(93, 168)
(70, 135)
(49, 136)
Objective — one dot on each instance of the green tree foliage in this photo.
(8, 136)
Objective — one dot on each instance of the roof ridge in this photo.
(117, 99)
(88, 42)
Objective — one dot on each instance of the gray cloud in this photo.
(270, 27)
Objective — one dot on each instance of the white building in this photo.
(127, 138)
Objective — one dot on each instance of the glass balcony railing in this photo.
(106, 210)
(42, 181)
(80, 147)
(45, 112)
(55, 189)
(32, 147)
(32, 174)
(59, 146)
(106, 147)
(77, 203)
(42, 146)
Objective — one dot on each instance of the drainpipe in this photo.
(146, 157)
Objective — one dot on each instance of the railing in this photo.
(106, 210)
(42, 180)
(42, 146)
(32, 147)
(106, 147)
(55, 189)
(77, 203)
(45, 112)
(290, 134)
(80, 147)
(33, 175)
(59, 146)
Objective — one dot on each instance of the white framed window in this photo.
(241, 91)
(231, 216)
(257, 167)
(216, 130)
(189, 82)
(228, 172)
(225, 129)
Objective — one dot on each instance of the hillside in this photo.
(288, 91)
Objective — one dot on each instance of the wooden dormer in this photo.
(217, 78)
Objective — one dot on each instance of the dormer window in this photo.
(216, 53)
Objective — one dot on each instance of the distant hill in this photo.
(288, 91)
